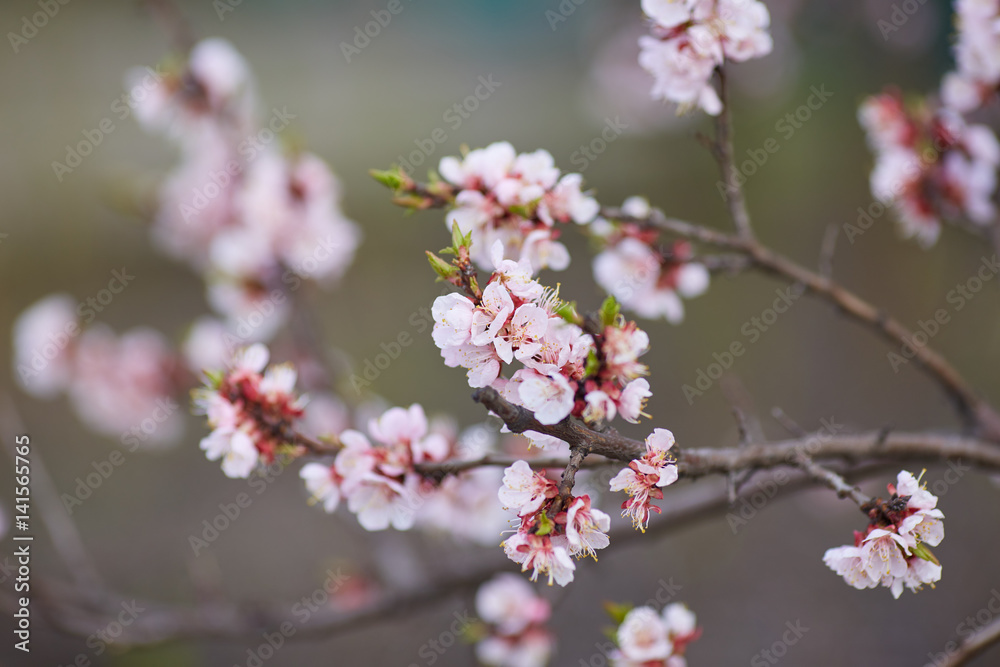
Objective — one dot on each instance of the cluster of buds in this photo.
(566, 371)
(552, 529)
(252, 412)
(513, 618)
(652, 639)
(929, 165)
(644, 478)
(977, 56)
(120, 386)
(893, 549)
(690, 38)
(252, 220)
(646, 276)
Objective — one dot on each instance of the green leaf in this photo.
(618, 611)
(214, 378)
(609, 311)
(458, 240)
(567, 311)
(593, 364)
(441, 267)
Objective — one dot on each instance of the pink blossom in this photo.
(525, 491)
(491, 314)
(691, 38)
(848, 562)
(452, 320)
(44, 343)
(543, 555)
(510, 605)
(321, 481)
(642, 637)
(644, 477)
(236, 449)
(550, 397)
(586, 528)
(633, 400)
(515, 276)
(119, 382)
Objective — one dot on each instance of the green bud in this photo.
(445, 270)
(458, 240)
(390, 178)
(545, 525)
(921, 551)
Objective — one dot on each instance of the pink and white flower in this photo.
(516, 201)
(930, 165)
(691, 38)
(893, 552)
(650, 639)
(543, 555)
(322, 484)
(586, 528)
(524, 491)
(644, 477)
(510, 605)
(44, 343)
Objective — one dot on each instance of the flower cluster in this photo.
(644, 478)
(893, 549)
(565, 370)
(380, 483)
(929, 165)
(120, 386)
(977, 56)
(550, 532)
(516, 199)
(690, 38)
(515, 619)
(645, 277)
(252, 412)
(655, 640)
(249, 218)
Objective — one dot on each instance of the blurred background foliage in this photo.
(558, 88)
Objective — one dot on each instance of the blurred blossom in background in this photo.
(135, 255)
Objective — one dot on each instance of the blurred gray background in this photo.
(558, 88)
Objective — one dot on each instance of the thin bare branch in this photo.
(975, 644)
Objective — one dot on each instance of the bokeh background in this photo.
(559, 86)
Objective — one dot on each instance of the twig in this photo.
(970, 405)
(827, 249)
(711, 461)
(975, 644)
(168, 15)
(832, 480)
(231, 620)
(60, 527)
(735, 199)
